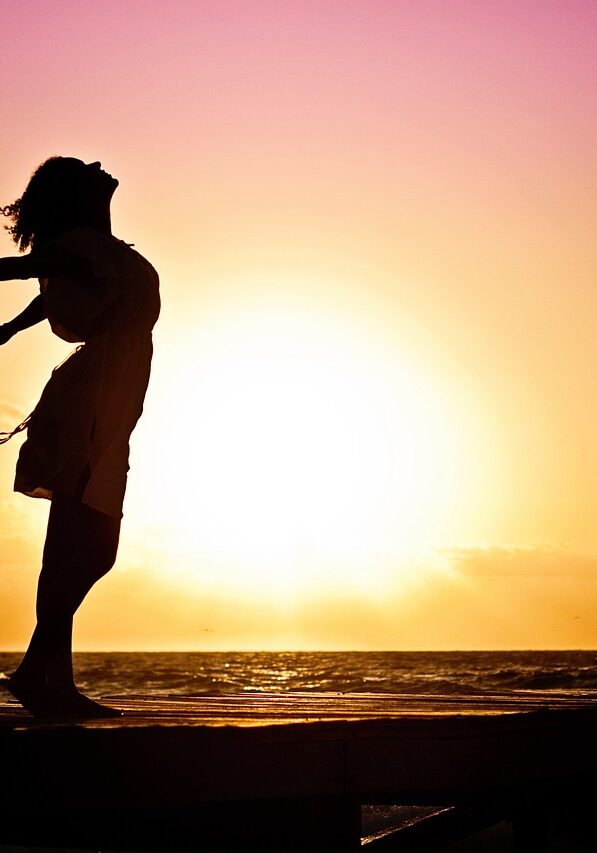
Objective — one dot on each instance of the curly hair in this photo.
(53, 200)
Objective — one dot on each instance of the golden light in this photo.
(293, 451)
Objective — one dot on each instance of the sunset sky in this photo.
(371, 420)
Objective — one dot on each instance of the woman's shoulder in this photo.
(108, 255)
(93, 245)
(83, 235)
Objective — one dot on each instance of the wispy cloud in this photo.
(536, 561)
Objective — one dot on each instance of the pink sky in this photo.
(426, 169)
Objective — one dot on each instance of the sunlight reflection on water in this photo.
(384, 672)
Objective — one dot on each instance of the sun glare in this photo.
(304, 453)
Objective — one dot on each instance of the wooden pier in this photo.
(287, 772)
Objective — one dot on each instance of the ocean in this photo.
(216, 673)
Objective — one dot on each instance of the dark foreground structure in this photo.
(290, 772)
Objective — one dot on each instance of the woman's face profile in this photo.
(97, 184)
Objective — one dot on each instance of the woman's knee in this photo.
(103, 560)
(81, 548)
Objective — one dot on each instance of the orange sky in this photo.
(371, 417)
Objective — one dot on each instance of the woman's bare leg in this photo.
(80, 548)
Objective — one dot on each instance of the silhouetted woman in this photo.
(97, 290)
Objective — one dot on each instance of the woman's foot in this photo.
(68, 702)
(32, 694)
(87, 708)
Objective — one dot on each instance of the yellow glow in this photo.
(298, 454)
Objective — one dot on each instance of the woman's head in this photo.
(61, 193)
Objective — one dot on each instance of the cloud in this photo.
(539, 561)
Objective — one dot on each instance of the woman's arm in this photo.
(34, 313)
(48, 261)
(16, 268)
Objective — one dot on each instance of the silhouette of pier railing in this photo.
(286, 772)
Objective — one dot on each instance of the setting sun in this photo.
(304, 448)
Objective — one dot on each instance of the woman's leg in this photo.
(81, 545)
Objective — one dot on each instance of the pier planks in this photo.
(174, 767)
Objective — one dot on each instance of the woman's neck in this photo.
(101, 220)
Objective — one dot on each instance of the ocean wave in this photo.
(433, 673)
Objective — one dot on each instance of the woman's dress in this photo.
(78, 434)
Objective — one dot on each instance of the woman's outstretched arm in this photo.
(50, 261)
(47, 261)
(17, 268)
(34, 313)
